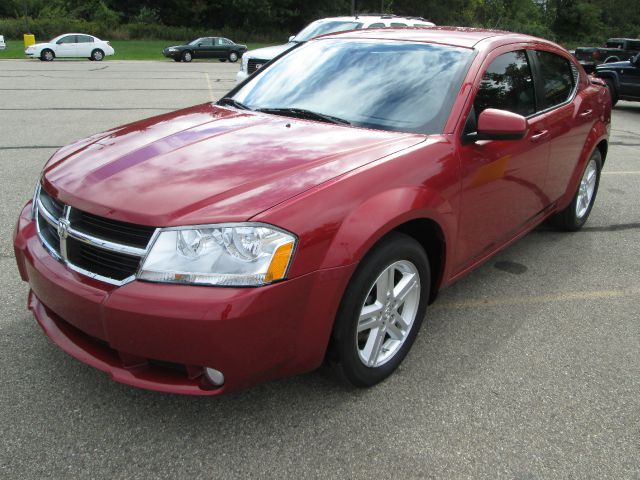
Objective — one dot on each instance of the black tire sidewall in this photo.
(93, 55)
(392, 248)
(43, 57)
(612, 91)
(567, 218)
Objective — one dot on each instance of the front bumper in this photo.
(172, 54)
(160, 336)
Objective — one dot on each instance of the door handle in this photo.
(586, 114)
(540, 136)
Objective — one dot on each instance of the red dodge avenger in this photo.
(314, 212)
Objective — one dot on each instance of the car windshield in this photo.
(386, 85)
(322, 27)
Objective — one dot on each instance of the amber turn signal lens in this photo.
(279, 263)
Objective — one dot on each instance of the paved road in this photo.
(528, 368)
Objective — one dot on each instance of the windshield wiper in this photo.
(233, 102)
(303, 113)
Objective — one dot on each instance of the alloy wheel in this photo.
(388, 313)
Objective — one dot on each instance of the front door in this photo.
(67, 46)
(502, 187)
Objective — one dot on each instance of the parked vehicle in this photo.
(255, 59)
(622, 78)
(209, 249)
(615, 50)
(206, 47)
(3, 45)
(71, 45)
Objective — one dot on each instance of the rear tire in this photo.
(575, 215)
(97, 55)
(381, 311)
(233, 57)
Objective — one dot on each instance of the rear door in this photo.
(569, 116)
(85, 45)
(502, 180)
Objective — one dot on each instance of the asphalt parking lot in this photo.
(528, 368)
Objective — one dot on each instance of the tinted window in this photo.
(226, 41)
(557, 79)
(84, 39)
(389, 85)
(398, 24)
(507, 85)
(634, 45)
(67, 39)
(376, 25)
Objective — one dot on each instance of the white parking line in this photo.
(634, 172)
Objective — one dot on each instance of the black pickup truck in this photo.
(622, 78)
(615, 50)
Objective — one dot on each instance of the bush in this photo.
(45, 28)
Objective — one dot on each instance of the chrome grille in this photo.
(101, 248)
(254, 64)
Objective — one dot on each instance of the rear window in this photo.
(557, 78)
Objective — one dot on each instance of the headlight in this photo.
(173, 49)
(240, 254)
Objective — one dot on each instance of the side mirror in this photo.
(496, 124)
(199, 45)
(291, 38)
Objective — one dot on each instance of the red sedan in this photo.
(314, 212)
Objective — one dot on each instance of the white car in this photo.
(71, 45)
(254, 59)
(2, 44)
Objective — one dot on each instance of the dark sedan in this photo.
(206, 47)
(623, 79)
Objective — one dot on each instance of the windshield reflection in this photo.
(322, 28)
(390, 85)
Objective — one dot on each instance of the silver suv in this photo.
(254, 59)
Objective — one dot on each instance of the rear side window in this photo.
(396, 24)
(557, 79)
(507, 85)
(634, 45)
(376, 25)
(84, 39)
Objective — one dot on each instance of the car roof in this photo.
(455, 36)
(372, 17)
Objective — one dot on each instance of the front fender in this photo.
(382, 213)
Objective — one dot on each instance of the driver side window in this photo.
(507, 85)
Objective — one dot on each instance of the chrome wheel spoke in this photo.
(404, 287)
(369, 317)
(384, 285)
(373, 346)
(395, 332)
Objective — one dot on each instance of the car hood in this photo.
(39, 45)
(208, 164)
(611, 65)
(267, 53)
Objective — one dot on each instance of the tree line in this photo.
(567, 21)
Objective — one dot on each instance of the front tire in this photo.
(575, 215)
(47, 55)
(612, 91)
(97, 55)
(187, 56)
(381, 311)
